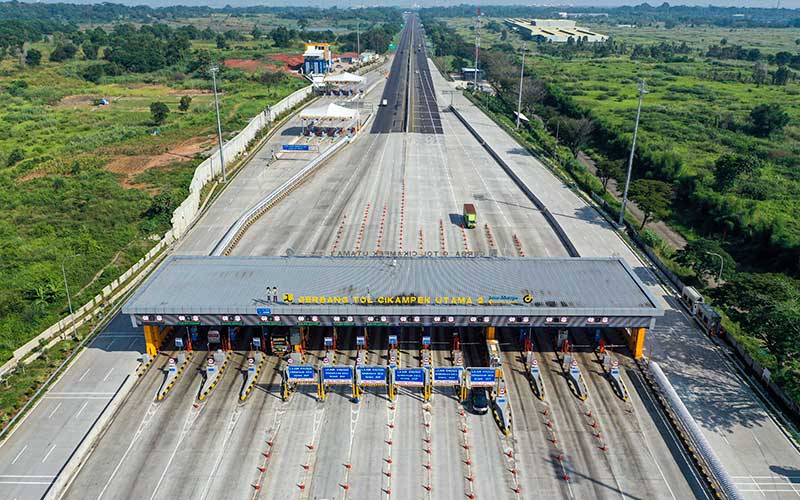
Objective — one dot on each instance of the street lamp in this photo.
(214, 70)
(642, 92)
(721, 264)
(66, 287)
(521, 76)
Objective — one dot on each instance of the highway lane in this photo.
(41, 445)
(754, 447)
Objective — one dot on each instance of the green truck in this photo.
(470, 216)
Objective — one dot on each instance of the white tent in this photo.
(344, 78)
(329, 112)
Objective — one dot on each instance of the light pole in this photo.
(358, 39)
(477, 45)
(66, 287)
(642, 92)
(721, 264)
(521, 76)
(214, 72)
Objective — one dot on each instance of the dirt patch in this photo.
(190, 92)
(290, 62)
(34, 174)
(76, 101)
(250, 65)
(130, 166)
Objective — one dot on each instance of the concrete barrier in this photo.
(562, 235)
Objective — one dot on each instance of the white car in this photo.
(384, 102)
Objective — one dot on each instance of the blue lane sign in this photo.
(261, 311)
(410, 377)
(301, 373)
(295, 147)
(371, 374)
(337, 374)
(426, 341)
(392, 339)
(482, 377)
(361, 340)
(447, 374)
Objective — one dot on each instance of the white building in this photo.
(554, 30)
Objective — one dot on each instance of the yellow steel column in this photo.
(636, 341)
(489, 333)
(151, 339)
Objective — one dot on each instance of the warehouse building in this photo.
(553, 30)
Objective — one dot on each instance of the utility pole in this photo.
(477, 46)
(358, 38)
(521, 76)
(214, 72)
(642, 92)
(66, 288)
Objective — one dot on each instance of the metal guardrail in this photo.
(724, 479)
(237, 230)
(562, 235)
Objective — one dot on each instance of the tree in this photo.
(136, 51)
(256, 33)
(186, 101)
(33, 57)
(760, 73)
(93, 73)
(609, 169)
(731, 167)
(575, 133)
(159, 112)
(63, 51)
(90, 49)
(781, 76)
(703, 256)
(222, 44)
(653, 197)
(768, 118)
(16, 156)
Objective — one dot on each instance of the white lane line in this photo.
(726, 440)
(80, 392)
(108, 374)
(76, 397)
(81, 410)
(48, 453)
(9, 476)
(19, 454)
(27, 482)
(54, 410)
(84, 374)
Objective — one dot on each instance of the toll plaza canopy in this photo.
(381, 291)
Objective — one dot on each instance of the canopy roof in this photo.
(344, 78)
(330, 111)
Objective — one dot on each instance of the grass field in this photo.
(96, 184)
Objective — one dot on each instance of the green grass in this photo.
(60, 200)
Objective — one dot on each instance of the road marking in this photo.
(54, 410)
(145, 421)
(9, 476)
(84, 374)
(77, 397)
(108, 374)
(80, 392)
(81, 410)
(27, 482)
(19, 454)
(48, 453)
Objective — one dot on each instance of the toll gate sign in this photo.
(482, 377)
(337, 374)
(300, 373)
(410, 377)
(371, 375)
(447, 375)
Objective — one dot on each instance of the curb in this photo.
(252, 384)
(163, 393)
(216, 380)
